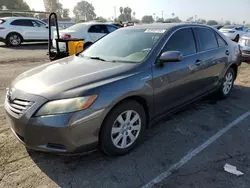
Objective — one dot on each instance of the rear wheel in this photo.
(123, 128)
(14, 39)
(227, 84)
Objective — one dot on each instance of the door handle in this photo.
(198, 62)
(227, 52)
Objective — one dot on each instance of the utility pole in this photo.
(114, 13)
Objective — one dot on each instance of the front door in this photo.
(42, 32)
(176, 82)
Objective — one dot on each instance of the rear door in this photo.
(97, 31)
(176, 82)
(214, 53)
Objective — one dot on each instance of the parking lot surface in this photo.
(165, 144)
(26, 52)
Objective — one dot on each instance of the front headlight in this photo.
(66, 105)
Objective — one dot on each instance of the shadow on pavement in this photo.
(27, 46)
(164, 144)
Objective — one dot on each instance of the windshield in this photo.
(78, 26)
(127, 45)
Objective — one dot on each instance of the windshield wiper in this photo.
(97, 58)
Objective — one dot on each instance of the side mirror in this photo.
(171, 56)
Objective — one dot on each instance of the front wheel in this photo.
(123, 128)
(227, 84)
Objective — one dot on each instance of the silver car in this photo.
(245, 46)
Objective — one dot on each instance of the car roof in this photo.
(162, 26)
(94, 23)
(18, 18)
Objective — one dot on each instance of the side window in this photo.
(97, 29)
(206, 38)
(111, 28)
(183, 41)
(220, 40)
(37, 23)
(22, 23)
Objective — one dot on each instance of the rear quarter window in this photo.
(221, 41)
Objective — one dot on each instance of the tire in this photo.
(14, 39)
(227, 82)
(118, 137)
(237, 38)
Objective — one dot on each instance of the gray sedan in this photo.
(108, 95)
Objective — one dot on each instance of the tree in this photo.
(203, 21)
(125, 14)
(53, 6)
(136, 20)
(65, 13)
(227, 23)
(121, 10)
(212, 22)
(134, 14)
(101, 19)
(14, 4)
(147, 19)
(84, 11)
(173, 14)
(190, 19)
(173, 20)
(159, 20)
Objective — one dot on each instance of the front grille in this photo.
(246, 52)
(19, 106)
(247, 42)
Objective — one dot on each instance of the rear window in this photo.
(77, 26)
(2, 21)
(229, 27)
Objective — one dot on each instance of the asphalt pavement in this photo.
(168, 142)
(26, 52)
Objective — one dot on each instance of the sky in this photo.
(233, 10)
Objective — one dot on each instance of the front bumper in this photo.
(245, 53)
(63, 133)
(2, 39)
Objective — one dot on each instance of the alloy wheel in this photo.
(228, 83)
(14, 40)
(126, 129)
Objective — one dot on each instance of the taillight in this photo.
(66, 36)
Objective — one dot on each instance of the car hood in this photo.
(70, 74)
(246, 36)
